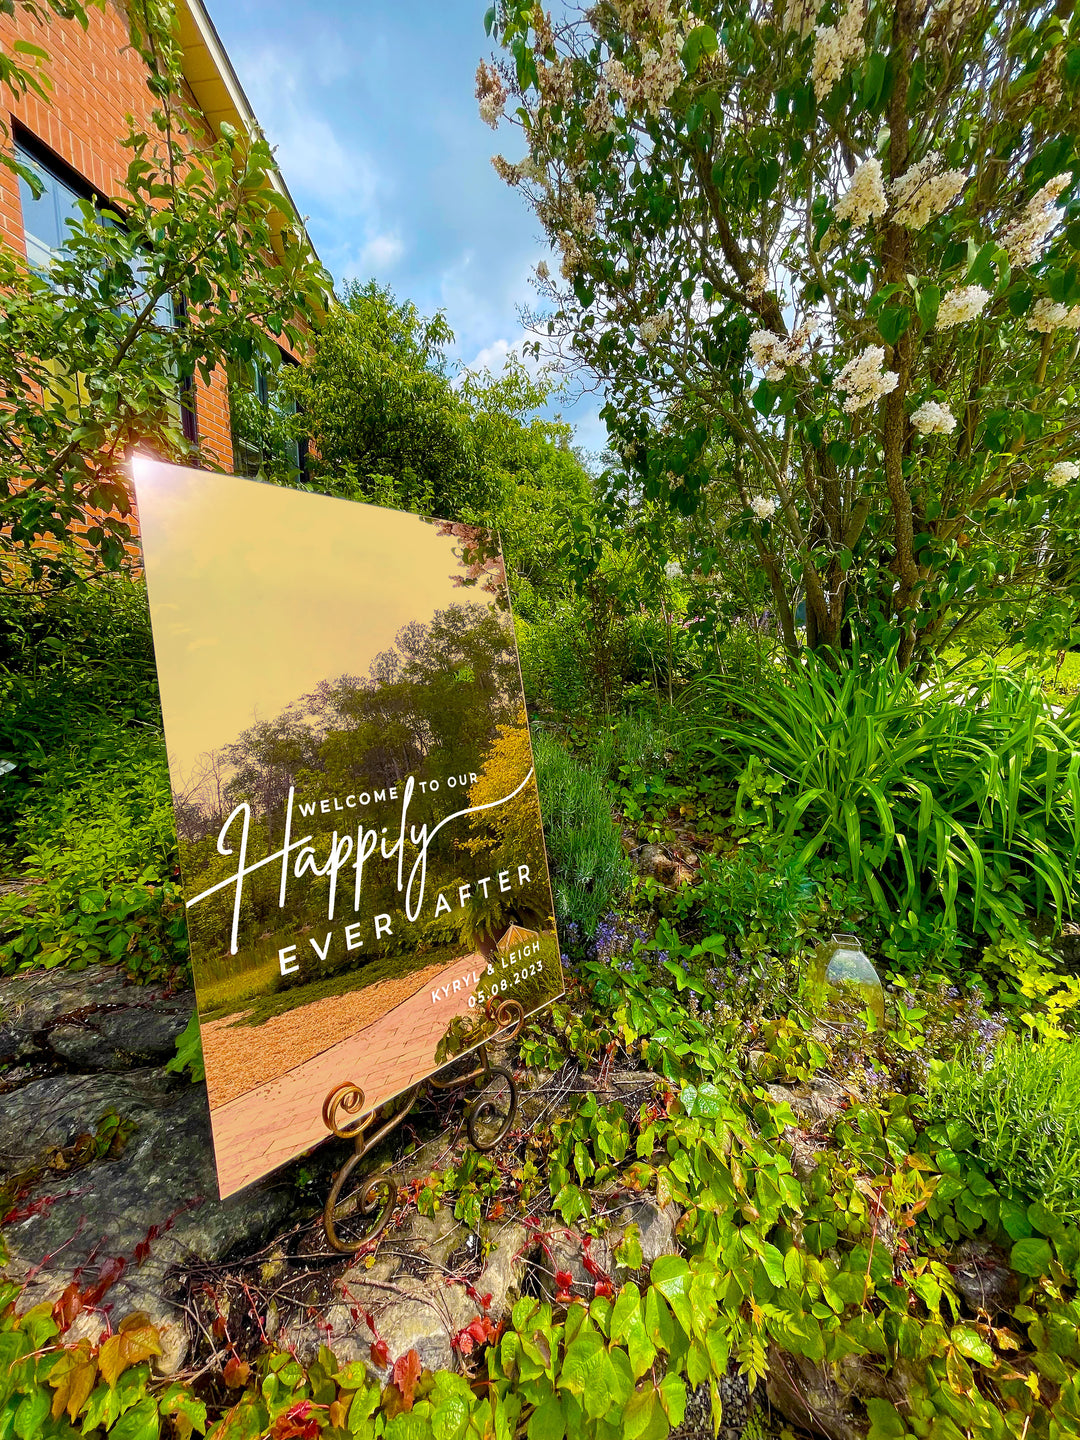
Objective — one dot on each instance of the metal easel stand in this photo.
(486, 1124)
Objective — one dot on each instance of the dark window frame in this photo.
(46, 157)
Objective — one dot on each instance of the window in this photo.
(264, 442)
(45, 230)
(45, 216)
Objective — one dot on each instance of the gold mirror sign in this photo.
(361, 849)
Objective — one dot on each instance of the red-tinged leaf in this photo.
(236, 1372)
(370, 1322)
(380, 1354)
(605, 1288)
(485, 1301)
(108, 1274)
(142, 1251)
(406, 1374)
(563, 1279)
(462, 1341)
(217, 1329)
(68, 1306)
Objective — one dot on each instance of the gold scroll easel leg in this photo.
(488, 1118)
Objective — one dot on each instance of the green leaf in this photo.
(1031, 1257)
(971, 1345)
(885, 1421)
(892, 322)
(140, 1423)
(548, 1422)
(927, 305)
(773, 1262)
(643, 1418)
(32, 1412)
(670, 1275)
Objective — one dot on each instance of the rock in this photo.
(94, 1019)
(817, 1103)
(417, 1289)
(1067, 945)
(564, 1250)
(983, 1279)
(822, 1398)
(737, 1407)
(102, 1214)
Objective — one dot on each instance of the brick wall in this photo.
(97, 80)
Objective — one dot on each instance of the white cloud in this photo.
(493, 357)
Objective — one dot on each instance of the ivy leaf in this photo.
(885, 1420)
(187, 1413)
(673, 1398)
(670, 1275)
(773, 1263)
(547, 1421)
(136, 1340)
(643, 1418)
(140, 1423)
(406, 1373)
(971, 1345)
(73, 1379)
(32, 1413)
(1031, 1257)
(571, 1204)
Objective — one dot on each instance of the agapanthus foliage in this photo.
(824, 258)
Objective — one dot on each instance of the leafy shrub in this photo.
(755, 897)
(961, 798)
(1020, 1114)
(71, 662)
(588, 867)
(97, 849)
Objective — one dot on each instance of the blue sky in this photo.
(372, 110)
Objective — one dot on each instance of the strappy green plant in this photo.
(962, 792)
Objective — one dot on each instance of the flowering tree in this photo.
(821, 256)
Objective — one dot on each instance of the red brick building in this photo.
(73, 141)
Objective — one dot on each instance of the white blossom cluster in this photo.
(573, 258)
(865, 197)
(964, 302)
(653, 326)
(555, 81)
(933, 419)
(1061, 473)
(801, 15)
(835, 46)
(774, 353)
(544, 35)
(924, 191)
(660, 75)
(1047, 315)
(758, 281)
(863, 379)
(491, 94)
(1025, 237)
(599, 116)
(582, 212)
(542, 271)
(762, 507)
